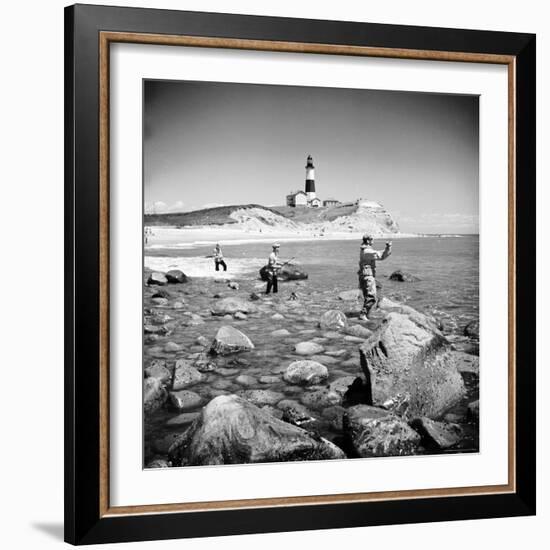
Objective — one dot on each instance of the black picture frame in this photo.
(84, 523)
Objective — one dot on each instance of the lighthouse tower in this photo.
(310, 179)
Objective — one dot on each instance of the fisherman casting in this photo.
(273, 268)
(218, 258)
(367, 273)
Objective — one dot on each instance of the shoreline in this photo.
(172, 237)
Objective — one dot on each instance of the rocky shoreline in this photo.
(234, 376)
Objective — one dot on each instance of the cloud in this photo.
(212, 205)
(160, 207)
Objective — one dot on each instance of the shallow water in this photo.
(448, 268)
(448, 289)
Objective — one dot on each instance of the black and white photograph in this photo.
(311, 273)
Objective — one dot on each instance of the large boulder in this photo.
(175, 276)
(230, 340)
(333, 320)
(289, 272)
(376, 432)
(305, 373)
(233, 305)
(157, 278)
(425, 321)
(410, 368)
(232, 430)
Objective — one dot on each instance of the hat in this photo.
(276, 245)
(367, 236)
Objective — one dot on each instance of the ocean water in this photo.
(448, 269)
(448, 288)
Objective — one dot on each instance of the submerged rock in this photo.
(333, 320)
(246, 380)
(230, 340)
(308, 348)
(437, 435)
(157, 369)
(376, 432)
(154, 394)
(320, 398)
(403, 277)
(185, 375)
(358, 331)
(350, 295)
(183, 419)
(171, 347)
(185, 399)
(305, 373)
(175, 276)
(280, 333)
(409, 367)
(261, 397)
(231, 430)
(233, 305)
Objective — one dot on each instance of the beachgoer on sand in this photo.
(272, 271)
(218, 258)
(367, 273)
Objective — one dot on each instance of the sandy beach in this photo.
(188, 237)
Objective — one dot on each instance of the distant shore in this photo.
(190, 237)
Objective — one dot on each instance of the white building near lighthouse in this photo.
(309, 197)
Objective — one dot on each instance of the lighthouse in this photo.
(310, 179)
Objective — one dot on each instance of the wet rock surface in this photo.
(231, 430)
(275, 326)
(377, 432)
(306, 373)
(438, 435)
(410, 367)
(230, 340)
(403, 277)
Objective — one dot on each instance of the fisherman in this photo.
(272, 271)
(218, 258)
(367, 273)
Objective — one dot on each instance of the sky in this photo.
(208, 144)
